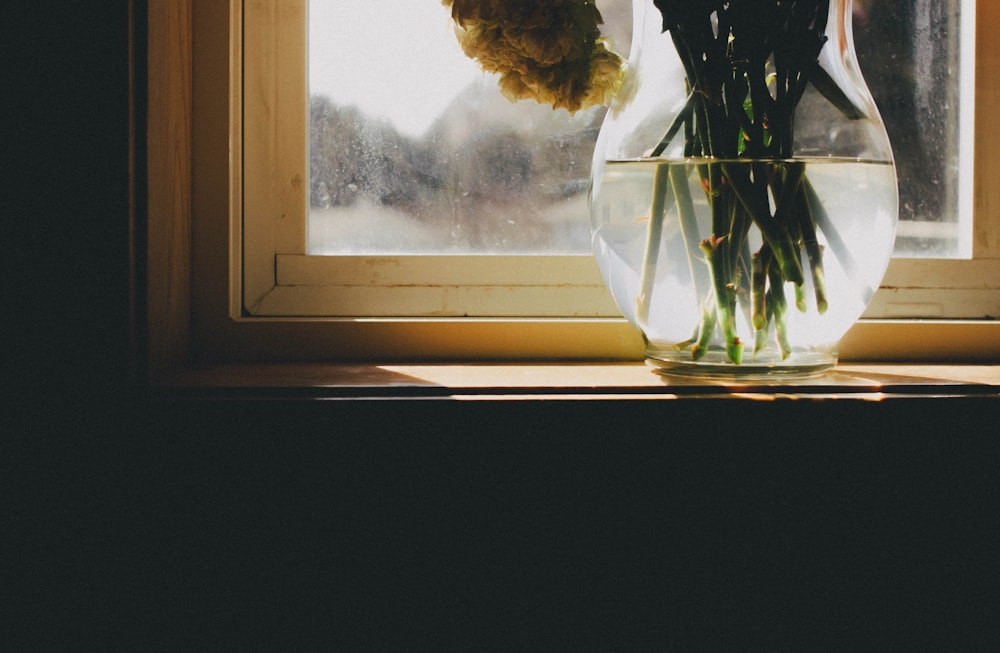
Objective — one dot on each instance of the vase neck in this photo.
(647, 21)
(840, 27)
(672, 41)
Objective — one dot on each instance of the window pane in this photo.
(413, 150)
(911, 56)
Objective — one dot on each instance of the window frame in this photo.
(282, 280)
(195, 242)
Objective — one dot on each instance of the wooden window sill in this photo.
(569, 381)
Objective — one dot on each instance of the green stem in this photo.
(760, 337)
(800, 298)
(752, 193)
(743, 280)
(679, 178)
(725, 296)
(830, 90)
(683, 117)
(708, 320)
(814, 251)
(836, 243)
(758, 286)
(786, 180)
(653, 235)
(779, 307)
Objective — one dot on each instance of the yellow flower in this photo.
(549, 51)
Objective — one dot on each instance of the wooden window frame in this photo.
(194, 245)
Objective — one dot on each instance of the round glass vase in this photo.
(743, 199)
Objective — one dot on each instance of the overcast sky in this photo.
(398, 59)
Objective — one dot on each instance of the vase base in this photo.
(715, 365)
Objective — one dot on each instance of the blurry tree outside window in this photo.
(413, 151)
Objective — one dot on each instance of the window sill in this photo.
(568, 381)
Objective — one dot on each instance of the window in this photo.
(431, 158)
(257, 292)
(413, 150)
(287, 222)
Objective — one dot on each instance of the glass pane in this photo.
(915, 56)
(414, 150)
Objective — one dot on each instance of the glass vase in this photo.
(743, 199)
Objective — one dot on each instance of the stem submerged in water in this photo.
(775, 197)
(724, 286)
(661, 182)
(745, 75)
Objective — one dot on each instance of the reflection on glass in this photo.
(413, 150)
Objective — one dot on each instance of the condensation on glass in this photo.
(412, 151)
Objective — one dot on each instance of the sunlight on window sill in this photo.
(623, 380)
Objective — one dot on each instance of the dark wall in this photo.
(131, 523)
(497, 526)
(65, 242)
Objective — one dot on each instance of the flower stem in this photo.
(682, 117)
(758, 286)
(779, 307)
(679, 175)
(814, 251)
(653, 235)
(708, 321)
(725, 295)
(752, 193)
(836, 243)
